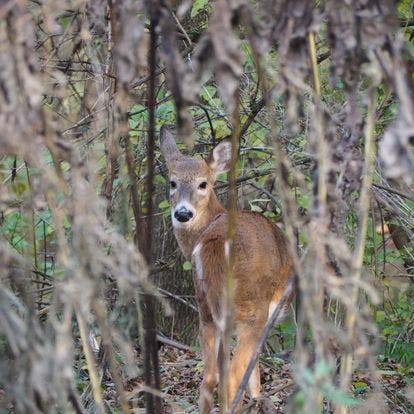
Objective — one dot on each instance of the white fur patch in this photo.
(173, 190)
(254, 386)
(197, 261)
(221, 323)
(272, 307)
(217, 348)
(227, 249)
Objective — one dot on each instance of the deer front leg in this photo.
(248, 335)
(208, 340)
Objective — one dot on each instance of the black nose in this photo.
(183, 215)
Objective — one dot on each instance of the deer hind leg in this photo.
(248, 335)
(254, 382)
(208, 339)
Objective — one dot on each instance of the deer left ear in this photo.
(219, 159)
(168, 146)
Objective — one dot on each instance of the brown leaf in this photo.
(130, 57)
(227, 55)
(395, 152)
(176, 71)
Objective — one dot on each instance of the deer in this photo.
(262, 264)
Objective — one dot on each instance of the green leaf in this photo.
(380, 316)
(207, 93)
(275, 399)
(159, 180)
(165, 110)
(187, 266)
(299, 401)
(164, 204)
(197, 6)
(359, 387)
(336, 395)
(303, 201)
(20, 188)
(322, 368)
(254, 207)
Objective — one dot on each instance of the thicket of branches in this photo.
(319, 96)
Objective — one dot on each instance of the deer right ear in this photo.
(168, 147)
(219, 159)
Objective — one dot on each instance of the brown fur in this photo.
(262, 265)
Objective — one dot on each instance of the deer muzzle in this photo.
(183, 214)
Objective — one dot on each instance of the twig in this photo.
(384, 250)
(245, 178)
(180, 26)
(268, 193)
(394, 191)
(213, 131)
(161, 101)
(314, 61)
(158, 72)
(323, 56)
(74, 400)
(281, 387)
(224, 369)
(350, 320)
(321, 199)
(406, 23)
(101, 317)
(136, 202)
(151, 363)
(175, 344)
(180, 299)
(254, 110)
(90, 361)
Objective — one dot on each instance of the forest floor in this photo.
(181, 374)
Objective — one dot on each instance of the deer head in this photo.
(192, 179)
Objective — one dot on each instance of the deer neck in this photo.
(187, 237)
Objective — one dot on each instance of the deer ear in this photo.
(219, 159)
(168, 147)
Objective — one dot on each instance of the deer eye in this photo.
(173, 184)
(203, 185)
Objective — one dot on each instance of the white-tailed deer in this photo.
(262, 265)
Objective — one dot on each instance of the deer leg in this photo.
(248, 335)
(254, 382)
(208, 340)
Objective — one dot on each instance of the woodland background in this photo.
(96, 302)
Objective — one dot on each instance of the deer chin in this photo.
(180, 225)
